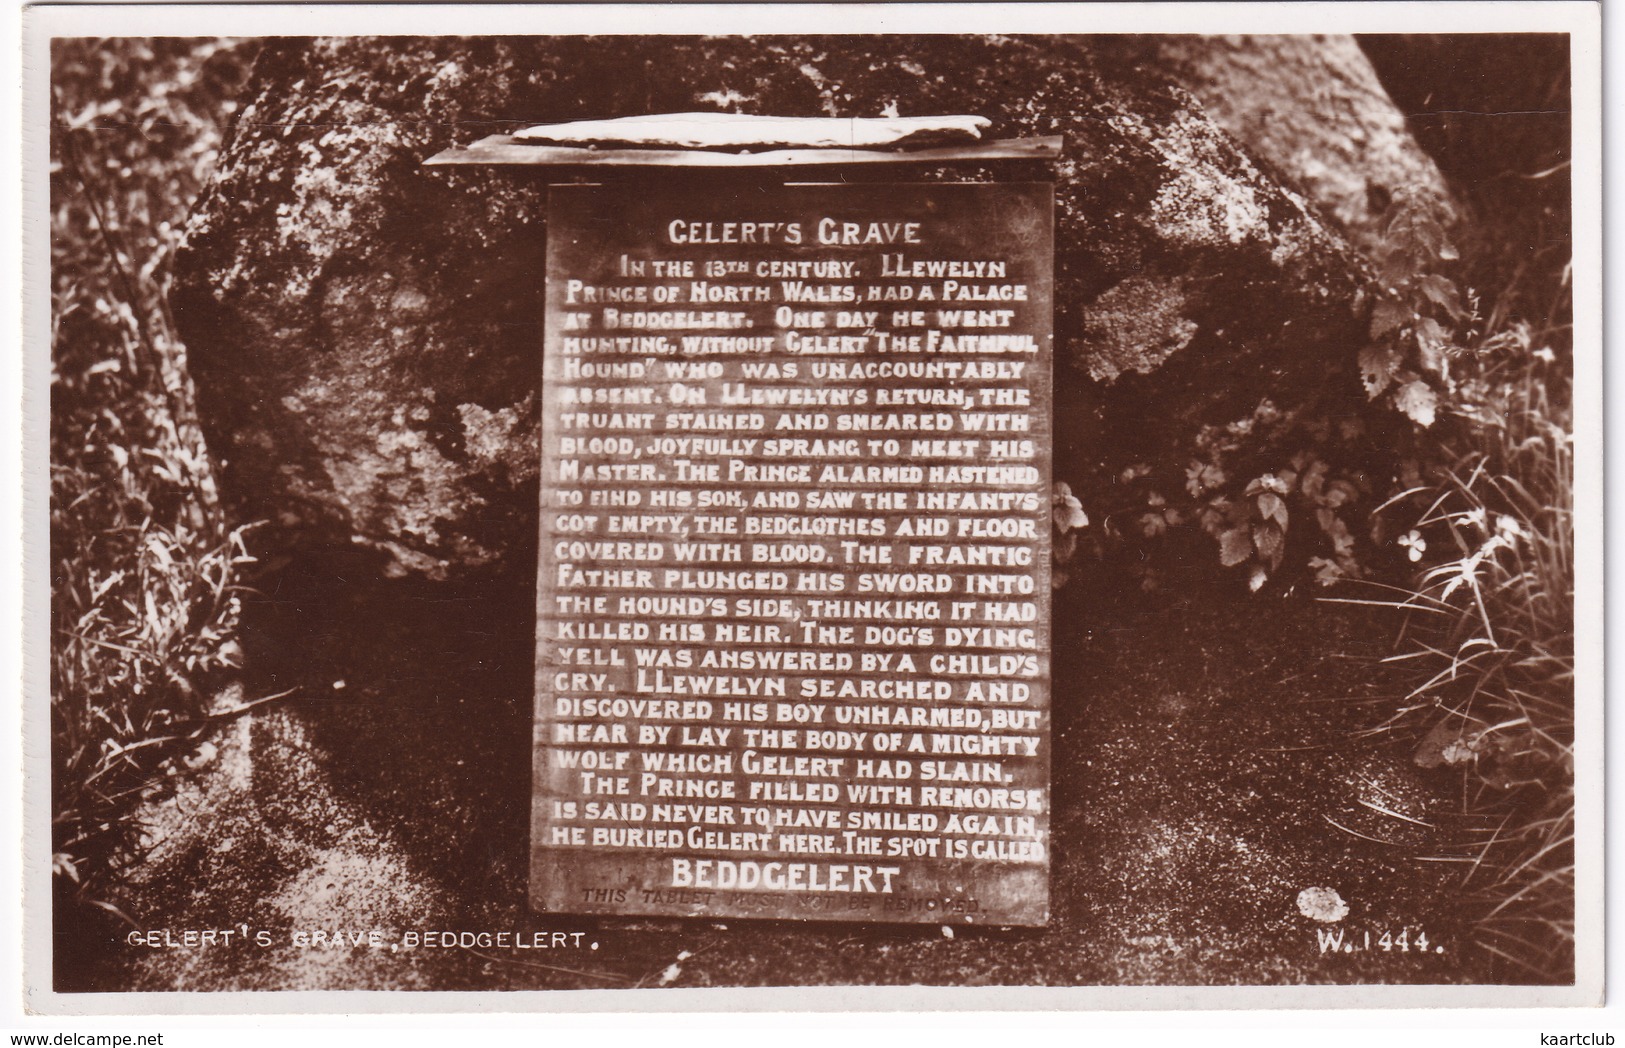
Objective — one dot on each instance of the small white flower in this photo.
(1415, 545)
(1067, 510)
(1462, 573)
(1270, 482)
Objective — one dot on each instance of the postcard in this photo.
(754, 507)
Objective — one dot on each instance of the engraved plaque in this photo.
(793, 604)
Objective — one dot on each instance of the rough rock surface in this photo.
(1314, 109)
(365, 332)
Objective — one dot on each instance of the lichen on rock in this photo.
(1136, 325)
(366, 332)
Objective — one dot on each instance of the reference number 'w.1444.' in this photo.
(1406, 940)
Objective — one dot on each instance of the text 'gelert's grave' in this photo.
(793, 639)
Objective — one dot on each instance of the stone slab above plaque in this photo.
(508, 150)
(793, 643)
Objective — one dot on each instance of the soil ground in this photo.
(1208, 766)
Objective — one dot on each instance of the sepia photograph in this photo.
(611, 503)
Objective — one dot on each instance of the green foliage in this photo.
(1275, 492)
(143, 608)
(1482, 513)
(1448, 494)
(1487, 653)
(1252, 526)
(1284, 493)
(1416, 313)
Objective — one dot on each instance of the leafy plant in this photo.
(1268, 494)
(1280, 491)
(1417, 313)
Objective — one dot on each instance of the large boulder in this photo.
(365, 332)
(1314, 109)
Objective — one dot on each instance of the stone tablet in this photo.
(793, 604)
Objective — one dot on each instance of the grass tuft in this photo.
(1486, 656)
(144, 599)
